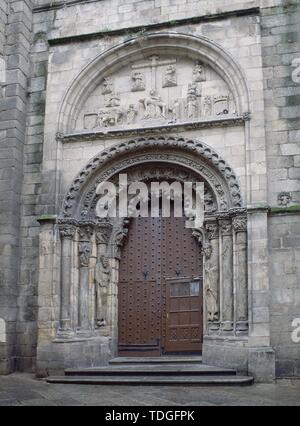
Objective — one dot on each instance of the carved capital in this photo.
(239, 224)
(226, 227)
(85, 232)
(103, 234)
(67, 231)
(84, 250)
(212, 230)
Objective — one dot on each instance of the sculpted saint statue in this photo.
(102, 278)
(210, 278)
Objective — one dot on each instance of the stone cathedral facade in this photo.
(187, 90)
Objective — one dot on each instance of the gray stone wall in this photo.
(24, 47)
(281, 49)
(12, 139)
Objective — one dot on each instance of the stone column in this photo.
(240, 249)
(84, 252)
(227, 275)
(67, 233)
(212, 277)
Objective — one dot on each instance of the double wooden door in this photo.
(160, 289)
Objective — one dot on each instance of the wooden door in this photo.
(154, 317)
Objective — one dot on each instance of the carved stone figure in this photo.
(113, 100)
(131, 114)
(194, 90)
(138, 81)
(111, 117)
(198, 73)
(175, 110)
(192, 107)
(207, 106)
(211, 270)
(102, 278)
(284, 199)
(170, 78)
(107, 86)
(154, 106)
(84, 249)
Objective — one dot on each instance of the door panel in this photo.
(157, 250)
(184, 315)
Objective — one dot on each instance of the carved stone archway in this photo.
(222, 238)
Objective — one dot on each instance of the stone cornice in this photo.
(164, 128)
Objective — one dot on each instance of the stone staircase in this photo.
(167, 370)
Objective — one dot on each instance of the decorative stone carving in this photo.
(175, 110)
(67, 231)
(284, 199)
(103, 235)
(198, 73)
(207, 106)
(212, 230)
(199, 149)
(113, 100)
(226, 228)
(107, 86)
(102, 278)
(239, 224)
(194, 90)
(221, 105)
(84, 249)
(161, 79)
(192, 107)
(138, 81)
(170, 77)
(131, 114)
(154, 106)
(211, 278)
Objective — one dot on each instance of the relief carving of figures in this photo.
(138, 81)
(175, 110)
(207, 106)
(154, 106)
(198, 73)
(131, 114)
(84, 249)
(107, 86)
(211, 277)
(113, 100)
(111, 117)
(170, 77)
(102, 278)
(194, 90)
(192, 107)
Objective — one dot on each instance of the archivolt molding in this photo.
(190, 154)
(198, 48)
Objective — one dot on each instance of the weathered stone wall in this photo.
(76, 37)
(12, 139)
(281, 50)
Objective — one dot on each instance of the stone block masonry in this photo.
(43, 47)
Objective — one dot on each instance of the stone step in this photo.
(152, 369)
(171, 359)
(154, 380)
